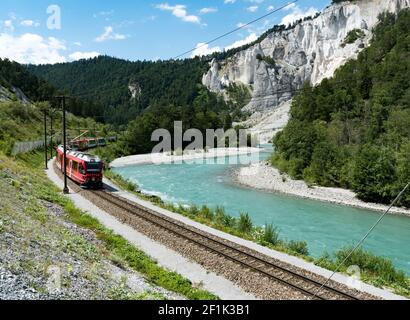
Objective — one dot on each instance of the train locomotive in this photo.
(83, 168)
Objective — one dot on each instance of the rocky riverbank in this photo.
(164, 158)
(262, 176)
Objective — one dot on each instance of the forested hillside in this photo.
(169, 91)
(23, 120)
(13, 75)
(103, 83)
(353, 130)
(207, 111)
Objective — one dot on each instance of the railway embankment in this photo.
(49, 249)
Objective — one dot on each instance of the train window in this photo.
(93, 166)
(82, 171)
(74, 166)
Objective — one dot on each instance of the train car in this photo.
(83, 168)
(102, 142)
(92, 143)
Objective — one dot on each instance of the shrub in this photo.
(352, 36)
(368, 262)
(206, 213)
(299, 247)
(271, 234)
(193, 210)
(220, 215)
(224, 219)
(245, 223)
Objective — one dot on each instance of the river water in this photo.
(325, 227)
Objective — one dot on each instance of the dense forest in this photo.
(13, 75)
(353, 130)
(102, 84)
(166, 91)
(207, 111)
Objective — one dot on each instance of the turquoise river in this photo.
(325, 227)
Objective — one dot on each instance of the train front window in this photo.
(93, 166)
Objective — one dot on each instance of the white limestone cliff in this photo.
(311, 51)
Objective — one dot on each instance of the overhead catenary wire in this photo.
(238, 28)
(360, 243)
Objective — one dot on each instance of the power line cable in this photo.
(237, 29)
(364, 238)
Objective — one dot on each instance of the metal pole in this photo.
(65, 190)
(51, 135)
(45, 140)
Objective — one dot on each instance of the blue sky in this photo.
(135, 30)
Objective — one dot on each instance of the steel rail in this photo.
(250, 261)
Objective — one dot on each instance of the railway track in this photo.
(312, 288)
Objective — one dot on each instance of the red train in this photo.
(87, 143)
(83, 168)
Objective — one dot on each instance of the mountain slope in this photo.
(123, 89)
(15, 79)
(353, 130)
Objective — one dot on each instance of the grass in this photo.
(118, 250)
(271, 234)
(375, 270)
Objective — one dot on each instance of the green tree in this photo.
(374, 173)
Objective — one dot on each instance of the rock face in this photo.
(14, 93)
(5, 95)
(311, 51)
(135, 90)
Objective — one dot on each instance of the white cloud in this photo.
(83, 55)
(296, 14)
(180, 12)
(290, 6)
(270, 8)
(8, 24)
(229, 1)
(252, 8)
(103, 14)
(208, 10)
(109, 34)
(29, 23)
(78, 44)
(31, 48)
(203, 49)
(252, 37)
